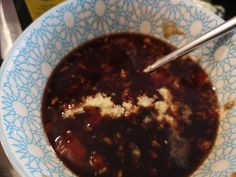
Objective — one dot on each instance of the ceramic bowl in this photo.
(38, 50)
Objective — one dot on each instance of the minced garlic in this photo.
(129, 108)
(161, 106)
(165, 93)
(127, 105)
(102, 101)
(70, 112)
(99, 101)
(109, 108)
(145, 101)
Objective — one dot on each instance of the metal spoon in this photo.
(207, 37)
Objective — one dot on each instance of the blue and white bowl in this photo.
(37, 51)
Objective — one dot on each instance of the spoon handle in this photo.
(207, 37)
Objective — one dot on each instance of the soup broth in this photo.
(105, 117)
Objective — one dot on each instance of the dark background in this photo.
(229, 5)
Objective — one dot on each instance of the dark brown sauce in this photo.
(229, 105)
(233, 174)
(170, 28)
(141, 142)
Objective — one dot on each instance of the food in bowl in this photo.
(105, 117)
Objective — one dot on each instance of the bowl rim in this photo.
(21, 170)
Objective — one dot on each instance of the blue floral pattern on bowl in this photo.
(38, 50)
